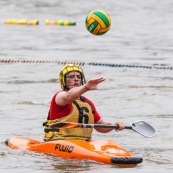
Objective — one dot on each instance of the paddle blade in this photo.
(144, 129)
(64, 125)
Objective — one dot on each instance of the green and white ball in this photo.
(98, 22)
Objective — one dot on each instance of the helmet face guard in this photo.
(68, 68)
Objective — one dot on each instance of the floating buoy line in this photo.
(36, 22)
(88, 63)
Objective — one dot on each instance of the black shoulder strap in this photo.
(83, 99)
(48, 115)
(77, 105)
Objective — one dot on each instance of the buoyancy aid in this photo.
(81, 112)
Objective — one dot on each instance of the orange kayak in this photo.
(104, 151)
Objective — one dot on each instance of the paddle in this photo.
(140, 127)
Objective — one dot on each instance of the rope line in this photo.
(85, 63)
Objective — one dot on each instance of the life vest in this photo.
(81, 112)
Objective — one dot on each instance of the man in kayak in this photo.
(69, 105)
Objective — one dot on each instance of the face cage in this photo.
(83, 81)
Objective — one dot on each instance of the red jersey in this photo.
(57, 111)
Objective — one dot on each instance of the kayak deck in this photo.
(105, 151)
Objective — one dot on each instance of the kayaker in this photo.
(69, 105)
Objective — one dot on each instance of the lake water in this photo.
(140, 34)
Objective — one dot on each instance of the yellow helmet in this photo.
(68, 68)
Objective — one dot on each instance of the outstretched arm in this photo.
(64, 98)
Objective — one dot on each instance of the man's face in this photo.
(73, 79)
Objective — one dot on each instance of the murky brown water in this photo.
(141, 33)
